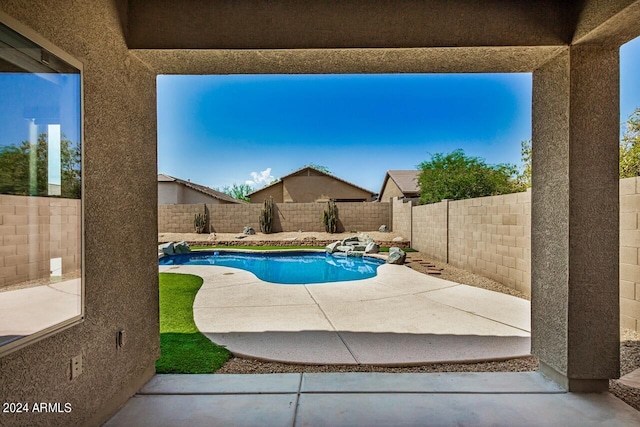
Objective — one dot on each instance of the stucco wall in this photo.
(33, 230)
(232, 218)
(390, 190)
(274, 192)
(169, 193)
(305, 189)
(120, 217)
(191, 196)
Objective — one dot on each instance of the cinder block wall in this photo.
(429, 230)
(289, 217)
(232, 218)
(491, 236)
(33, 230)
(629, 262)
(178, 218)
(401, 217)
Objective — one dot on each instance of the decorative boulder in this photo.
(398, 239)
(344, 248)
(181, 248)
(331, 247)
(349, 239)
(166, 248)
(372, 248)
(396, 256)
(363, 237)
(383, 229)
(249, 230)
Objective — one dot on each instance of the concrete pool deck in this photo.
(399, 317)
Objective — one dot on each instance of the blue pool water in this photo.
(290, 268)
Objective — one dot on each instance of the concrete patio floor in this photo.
(399, 317)
(368, 399)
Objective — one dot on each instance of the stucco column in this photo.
(575, 208)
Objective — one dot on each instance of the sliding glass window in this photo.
(41, 288)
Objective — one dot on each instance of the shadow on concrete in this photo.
(353, 348)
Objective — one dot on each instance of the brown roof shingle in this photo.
(406, 180)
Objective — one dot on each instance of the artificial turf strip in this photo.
(184, 350)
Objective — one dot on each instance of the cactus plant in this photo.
(266, 216)
(330, 217)
(200, 222)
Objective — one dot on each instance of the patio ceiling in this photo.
(404, 36)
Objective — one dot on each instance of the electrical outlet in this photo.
(76, 366)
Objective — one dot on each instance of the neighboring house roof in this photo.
(201, 188)
(406, 180)
(315, 170)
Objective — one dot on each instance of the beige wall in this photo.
(33, 230)
(305, 189)
(429, 230)
(491, 236)
(401, 217)
(629, 252)
(169, 193)
(487, 235)
(274, 192)
(390, 190)
(178, 218)
(232, 218)
(120, 217)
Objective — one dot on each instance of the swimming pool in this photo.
(288, 268)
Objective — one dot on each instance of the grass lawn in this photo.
(271, 248)
(184, 349)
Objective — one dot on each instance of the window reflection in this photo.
(40, 190)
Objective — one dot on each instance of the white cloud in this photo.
(260, 178)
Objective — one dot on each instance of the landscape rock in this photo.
(356, 254)
(249, 230)
(331, 247)
(372, 248)
(241, 236)
(344, 248)
(166, 248)
(383, 229)
(398, 239)
(349, 239)
(363, 237)
(396, 256)
(181, 248)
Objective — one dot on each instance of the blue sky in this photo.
(220, 130)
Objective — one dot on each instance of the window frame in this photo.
(41, 41)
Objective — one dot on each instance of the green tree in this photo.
(458, 176)
(524, 179)
(319, 167)
(237, 191)
(18, 162)
(630, 147)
